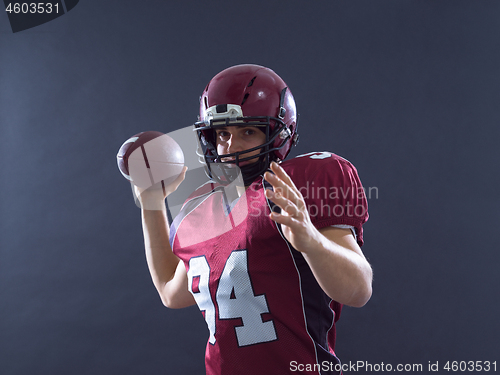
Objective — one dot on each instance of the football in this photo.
(150, 159)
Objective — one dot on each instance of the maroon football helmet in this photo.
(247, 95)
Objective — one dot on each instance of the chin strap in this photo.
(251, 171)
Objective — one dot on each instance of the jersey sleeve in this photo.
(332, 191)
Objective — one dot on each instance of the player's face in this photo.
(237, 139)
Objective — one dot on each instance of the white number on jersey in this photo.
(235, 298)
(198, 267)
(235, 282)
(317, 155)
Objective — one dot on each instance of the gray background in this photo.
(409, 91)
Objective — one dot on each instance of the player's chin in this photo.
(247, 162)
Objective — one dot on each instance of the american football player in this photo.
(271, 265)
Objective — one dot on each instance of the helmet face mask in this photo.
(247, 95)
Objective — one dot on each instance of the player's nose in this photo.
(234, 144)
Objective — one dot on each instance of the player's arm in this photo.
(339, 266)
(333, 255)
(167, 271)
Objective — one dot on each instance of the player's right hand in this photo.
(154, 199)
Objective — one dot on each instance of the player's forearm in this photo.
(162, 262)
(343, 274)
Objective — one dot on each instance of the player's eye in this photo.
(222, 134)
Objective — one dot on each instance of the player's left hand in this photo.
(294, 218)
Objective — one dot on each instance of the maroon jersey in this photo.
(264, 309)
